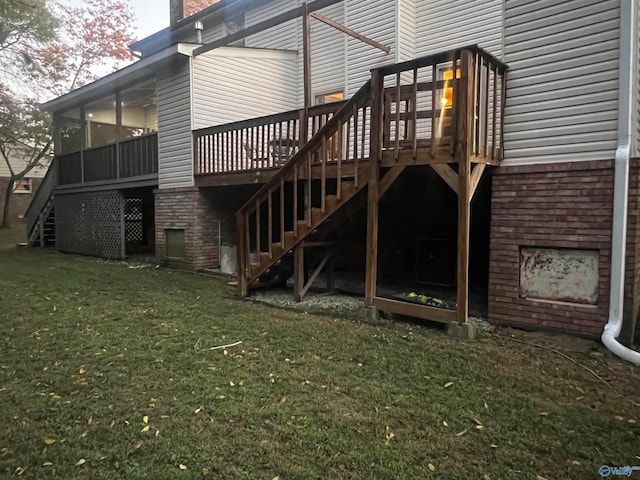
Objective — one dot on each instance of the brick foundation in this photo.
(207, 217)
(563, 205)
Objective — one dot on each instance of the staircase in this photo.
(322, 177)
(40, 215)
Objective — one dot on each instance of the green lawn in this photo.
(107, 372)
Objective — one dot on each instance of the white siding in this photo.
(446, 24)
(18, 163)
(231, 84)
(562, 87)
(406, 30)
(175, 167)
(280, 37)
(328, 54)
(377, 20)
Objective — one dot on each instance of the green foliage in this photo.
(107, 372)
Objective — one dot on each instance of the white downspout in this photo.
(621, 186)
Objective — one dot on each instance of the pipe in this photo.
(621, 187)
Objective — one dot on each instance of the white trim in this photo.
(250, 52)
(24, 192)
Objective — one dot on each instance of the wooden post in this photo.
(243, 249)
(298, 272)
(306, 54)
(41, 228)
(465, 111)
(373, 197)
(118, 131)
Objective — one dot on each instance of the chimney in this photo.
(176, 12)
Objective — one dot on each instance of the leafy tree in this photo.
(41, 59)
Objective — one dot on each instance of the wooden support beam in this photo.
(314, 275)
(298, 272)
(414, 310)
(465, 139)
(388, 179)
(447, 174)
(373, 197)
(476, 175)
(350, 32)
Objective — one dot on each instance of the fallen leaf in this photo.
(485, 405)
(112, 424)
(19, 471)
(432, 467)
(476, 421)
(182, 467)
(47, 464)
(82, 461)
(486, 477)
(445, 423)
(138, 444)
(84, 434)
(543, 414)
(90, 421)
(231, 384)
(219, 397)
(448, 384)
(82, 371)
(157, 433)
(205, 471)
(145, 429)
(283, 399)
(493, 445)
(145, 419)
(49, 441)
(618, 417)
(631, 420)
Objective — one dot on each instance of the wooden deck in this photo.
(313, 161)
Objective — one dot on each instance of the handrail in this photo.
(41, 197)
(311, 144)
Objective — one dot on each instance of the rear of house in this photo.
(218, 126)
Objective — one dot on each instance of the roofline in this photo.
(130, 73)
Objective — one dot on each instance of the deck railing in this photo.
(135, 157)
(258, 143)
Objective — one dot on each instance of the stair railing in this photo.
(41, 197)
(333, 152)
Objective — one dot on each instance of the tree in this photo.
(47, 59)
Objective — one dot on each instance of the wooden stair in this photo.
(322, 177)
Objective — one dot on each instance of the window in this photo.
(22, 186)
(446, 74)
(329, 97)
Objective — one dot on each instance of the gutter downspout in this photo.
(621, 186)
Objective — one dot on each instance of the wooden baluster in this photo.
(282, 212)
(503, 104)
(355, 145)
(363, 136)
(270, 223)
(476, 97)
(247, 238)
(291, 141)
(398, 92)
(295, 200)
(414, 131)
(339, 160)
(486, 110)
(323, 180)
(309, 189)
(242, 257)
(348, 141)
(495, 112)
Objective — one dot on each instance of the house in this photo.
(505, 138)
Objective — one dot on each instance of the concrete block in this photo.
(465, 331)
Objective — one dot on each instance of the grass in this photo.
(107, 372)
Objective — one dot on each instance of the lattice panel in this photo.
(133, 226)
(90, 224)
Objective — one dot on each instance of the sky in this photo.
(151, 16)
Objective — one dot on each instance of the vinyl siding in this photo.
(18, 164)
(406, 30)
(328, 54)
(562, 89)
(377, 20)
(237, 84)
(175, 167)
(446, 24)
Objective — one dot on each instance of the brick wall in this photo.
(632, 270)
(207, 217)
(564, 205)
(19, 201)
